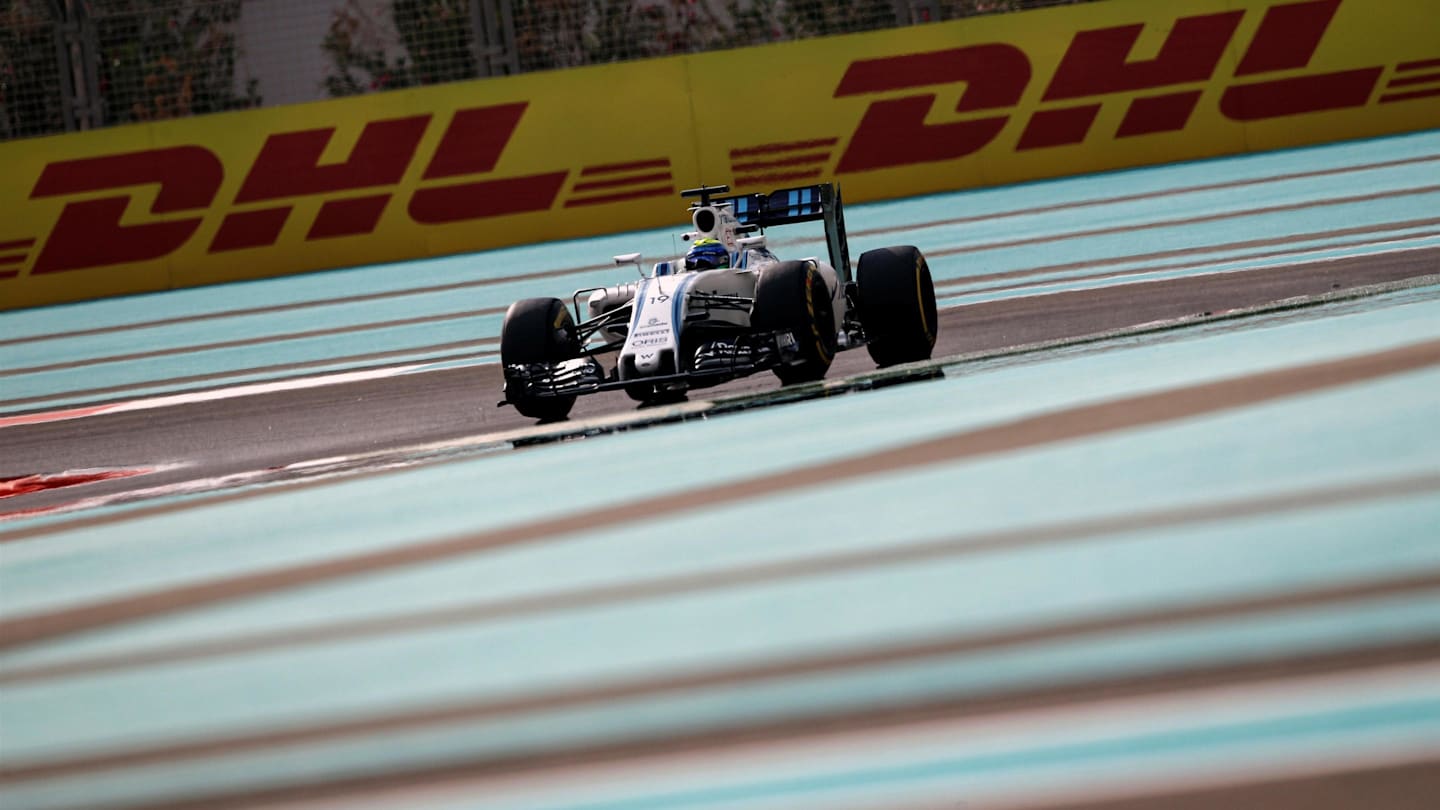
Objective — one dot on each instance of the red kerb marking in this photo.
(52, 416)
(639, 165)
(26, 513)
(26, 484)
(793, 146)
(1424, 64)
(13, 258)
(17, 244)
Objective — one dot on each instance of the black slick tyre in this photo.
(896, 299)
(792, 296)
(538, 330)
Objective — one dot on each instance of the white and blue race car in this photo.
(728, 309)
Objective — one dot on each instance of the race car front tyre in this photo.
(896, 300)
(792, 296)
(538, 331)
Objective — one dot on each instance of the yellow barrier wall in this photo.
(496, 162)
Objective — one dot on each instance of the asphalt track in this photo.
(279, 430)
(1161, 532)
(1206, 616)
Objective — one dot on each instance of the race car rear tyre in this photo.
(793, 296)
(538, 330)
(896, 300)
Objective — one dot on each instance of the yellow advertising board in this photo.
(483, 164)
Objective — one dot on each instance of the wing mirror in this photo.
(630, 258)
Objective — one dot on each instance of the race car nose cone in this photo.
(647, 362)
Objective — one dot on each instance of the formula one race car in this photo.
(728, 309)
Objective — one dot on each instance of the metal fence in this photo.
(33, 58)
(81, 64)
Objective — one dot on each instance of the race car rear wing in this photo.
(787, 206)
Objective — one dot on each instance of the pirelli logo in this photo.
(460, 179)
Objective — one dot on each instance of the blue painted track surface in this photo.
(910, 563)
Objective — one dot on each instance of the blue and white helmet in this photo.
(707, 254)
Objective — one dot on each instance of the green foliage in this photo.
(953, 9)
(817, 18)
(435, 37)
(168, 58)
(564, 33)
(569, 33)
(30, 96)
(155, 59)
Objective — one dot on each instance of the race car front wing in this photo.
(726, 358)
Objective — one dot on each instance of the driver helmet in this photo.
(707, 254)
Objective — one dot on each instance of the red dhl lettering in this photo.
(1098, 63)
(88, 233)
(472, 145)
(995, 77)
(289, 166)
(1162, 94)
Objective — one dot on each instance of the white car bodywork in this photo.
(667, 298)
(677, 328)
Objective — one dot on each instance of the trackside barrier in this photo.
(495, 162)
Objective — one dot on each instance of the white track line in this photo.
(210, 395)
